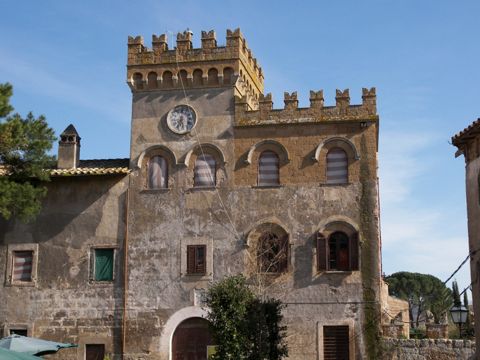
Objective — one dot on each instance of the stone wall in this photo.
(426, 349)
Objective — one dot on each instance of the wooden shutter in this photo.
(190, 259)
(321, 252)
(335, 343)
(337, 166)
(204, 172)
(268, 169)
(354, 252)
(22, 265)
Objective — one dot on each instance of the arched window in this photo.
(272, 253)
(197, 77)
(152, 80)
(205, 170)
(157, 173)
(138, 80)
(268, 169)
(182, 78)
(227, 76)
(339, 253)
(212, 76)
(167, 79)
(337, 166)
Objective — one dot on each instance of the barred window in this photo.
(336, 343)
(157, 173)
(268, 169)
(273, 253)
(204, 172)
(337, 166)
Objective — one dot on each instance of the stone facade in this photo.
(426, 349)
(468, 144)
(330, 279)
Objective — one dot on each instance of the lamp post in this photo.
(459, 316)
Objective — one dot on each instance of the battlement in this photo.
(264, 114)
(210, 59)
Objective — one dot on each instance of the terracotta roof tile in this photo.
(470, 130)
(90, 167)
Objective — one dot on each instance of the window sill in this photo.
(155, 191)
(267, 186)
(340, 272)
(101, 283)
(22, 284)
(202, 188)
(340, 184)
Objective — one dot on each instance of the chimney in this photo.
(68, 149)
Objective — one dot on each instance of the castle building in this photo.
(218, 183)
(468, 143)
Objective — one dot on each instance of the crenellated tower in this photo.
(161, 68)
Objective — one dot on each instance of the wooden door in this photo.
(190, 340)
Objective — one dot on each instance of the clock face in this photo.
(181, 119)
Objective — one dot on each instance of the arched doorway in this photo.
(190, 340)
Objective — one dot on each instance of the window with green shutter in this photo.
(103, 264)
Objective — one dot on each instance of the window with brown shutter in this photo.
(196, 259)
(339, 253)
(321, 252)
(336, 343)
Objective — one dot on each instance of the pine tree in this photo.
(24, 146)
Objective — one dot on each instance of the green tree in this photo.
(423, 292)
(24, 146)
(243, 326)
(456, 294)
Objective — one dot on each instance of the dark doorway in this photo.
(190, 340)
(94, 351)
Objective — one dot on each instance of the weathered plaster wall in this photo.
(164, 221)
(65, 305)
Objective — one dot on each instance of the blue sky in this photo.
(67, 60)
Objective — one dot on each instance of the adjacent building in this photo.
(218, 182)
(468, 143)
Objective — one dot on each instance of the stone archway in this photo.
(190, 340)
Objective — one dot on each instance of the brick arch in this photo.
(340, 142)
(274, 259)
(157, 150)
(271, 145)
(172, 323)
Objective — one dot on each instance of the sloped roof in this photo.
(70, 130)
(466, 134)
(91, 167)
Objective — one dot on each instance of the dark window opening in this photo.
(94, 351)
(21, 332)
(336, 343)
(196, 259)
(339, 253)
(273, 253)
(103, 264)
